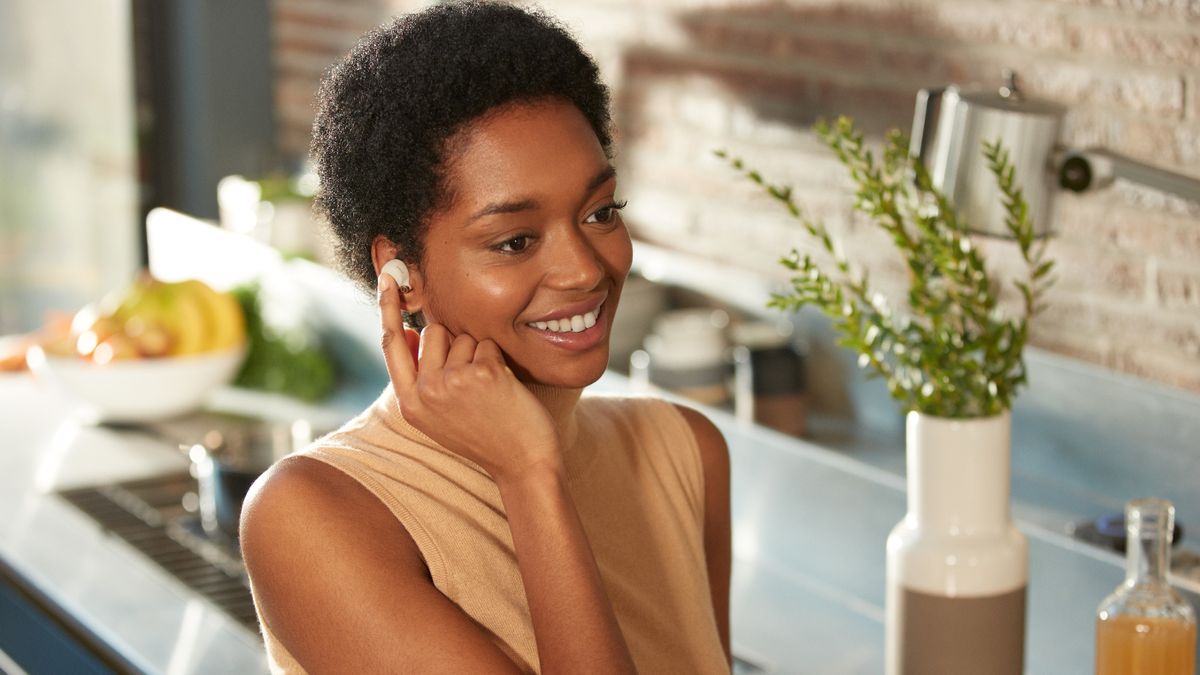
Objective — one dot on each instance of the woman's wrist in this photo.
(549, 472)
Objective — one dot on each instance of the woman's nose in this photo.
(575, 263)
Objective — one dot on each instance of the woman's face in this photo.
(534, 233)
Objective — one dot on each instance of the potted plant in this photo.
(952, 358)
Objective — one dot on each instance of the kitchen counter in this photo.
(809, 528)
(141, 612)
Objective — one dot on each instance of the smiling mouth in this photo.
(574, 324)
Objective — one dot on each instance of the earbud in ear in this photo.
(398, 271)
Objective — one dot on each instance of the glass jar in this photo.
(1145, 627)
(688, 354)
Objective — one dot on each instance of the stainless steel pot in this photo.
(949, 128)
(231, 456)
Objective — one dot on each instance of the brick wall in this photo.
(752, 76)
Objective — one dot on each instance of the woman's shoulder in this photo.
(301, 509)
(300, 492)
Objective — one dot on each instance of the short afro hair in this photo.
(388, 113)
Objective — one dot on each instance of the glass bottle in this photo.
(1145, 627)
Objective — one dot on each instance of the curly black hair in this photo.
(389, 112)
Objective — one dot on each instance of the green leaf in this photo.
(955, 355)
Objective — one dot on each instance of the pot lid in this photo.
(1009, 98)
(1011, 103)
(255, 446)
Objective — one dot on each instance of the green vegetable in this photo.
(955, 353)
(283, 360)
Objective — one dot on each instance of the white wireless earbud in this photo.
(398, 271)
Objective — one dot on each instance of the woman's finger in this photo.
(413, 338)
(435, 343)
(462, 350)
(489, 352)
(396, 351)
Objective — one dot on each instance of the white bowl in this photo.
(140, 390)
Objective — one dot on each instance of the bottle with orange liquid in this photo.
(1145, 627)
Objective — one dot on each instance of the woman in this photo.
(482, 516)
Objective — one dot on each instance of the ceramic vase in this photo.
(957, 568)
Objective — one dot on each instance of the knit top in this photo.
(634, 472)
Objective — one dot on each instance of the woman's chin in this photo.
(571, 376)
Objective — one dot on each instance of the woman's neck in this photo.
(560, 402)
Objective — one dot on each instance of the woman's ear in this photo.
(383, 250)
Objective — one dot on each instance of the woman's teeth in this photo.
(575, 324)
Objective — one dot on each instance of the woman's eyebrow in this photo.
(503, 207)
(602, 177)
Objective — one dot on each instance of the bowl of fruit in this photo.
(152, 350)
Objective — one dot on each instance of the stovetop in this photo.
(159, 517)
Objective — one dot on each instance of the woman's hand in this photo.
(462, 394)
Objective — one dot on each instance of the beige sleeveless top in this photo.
(634, 471)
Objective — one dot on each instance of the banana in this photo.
(151, 318)
(185, 316)
(153, 308)
(226, 325)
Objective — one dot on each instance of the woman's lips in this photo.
(581, 341)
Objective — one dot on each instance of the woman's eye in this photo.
(606, 213)
(514, 245)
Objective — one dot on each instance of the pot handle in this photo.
(925, 120)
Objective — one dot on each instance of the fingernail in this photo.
(384, 283)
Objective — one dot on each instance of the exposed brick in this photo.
(1177, 286)
(596, 24)
(303, 64)
(1114, 276)
(838, 14)
(1152, 200)
(1187, 147)
(326, 12)
(1087, 128)
(1102, 220)
(997, 24)
(748, 125)
(336, 40)
(1191, 85)
(783, 92)
(884, 45)
(315, 18)
(1152, 141)
(1164, 367)
(707, 111)
(1161, 142)
(296, 116)
(820, 49)
(1128, 324)
(1126, 89)
(294, 49)
(295, 92)
(1083, 346)
(656, 213)
(293, 140)
(1139, 43)
(1183, 9)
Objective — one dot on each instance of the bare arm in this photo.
(342, 585)
(574, 622)
(714, 455)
